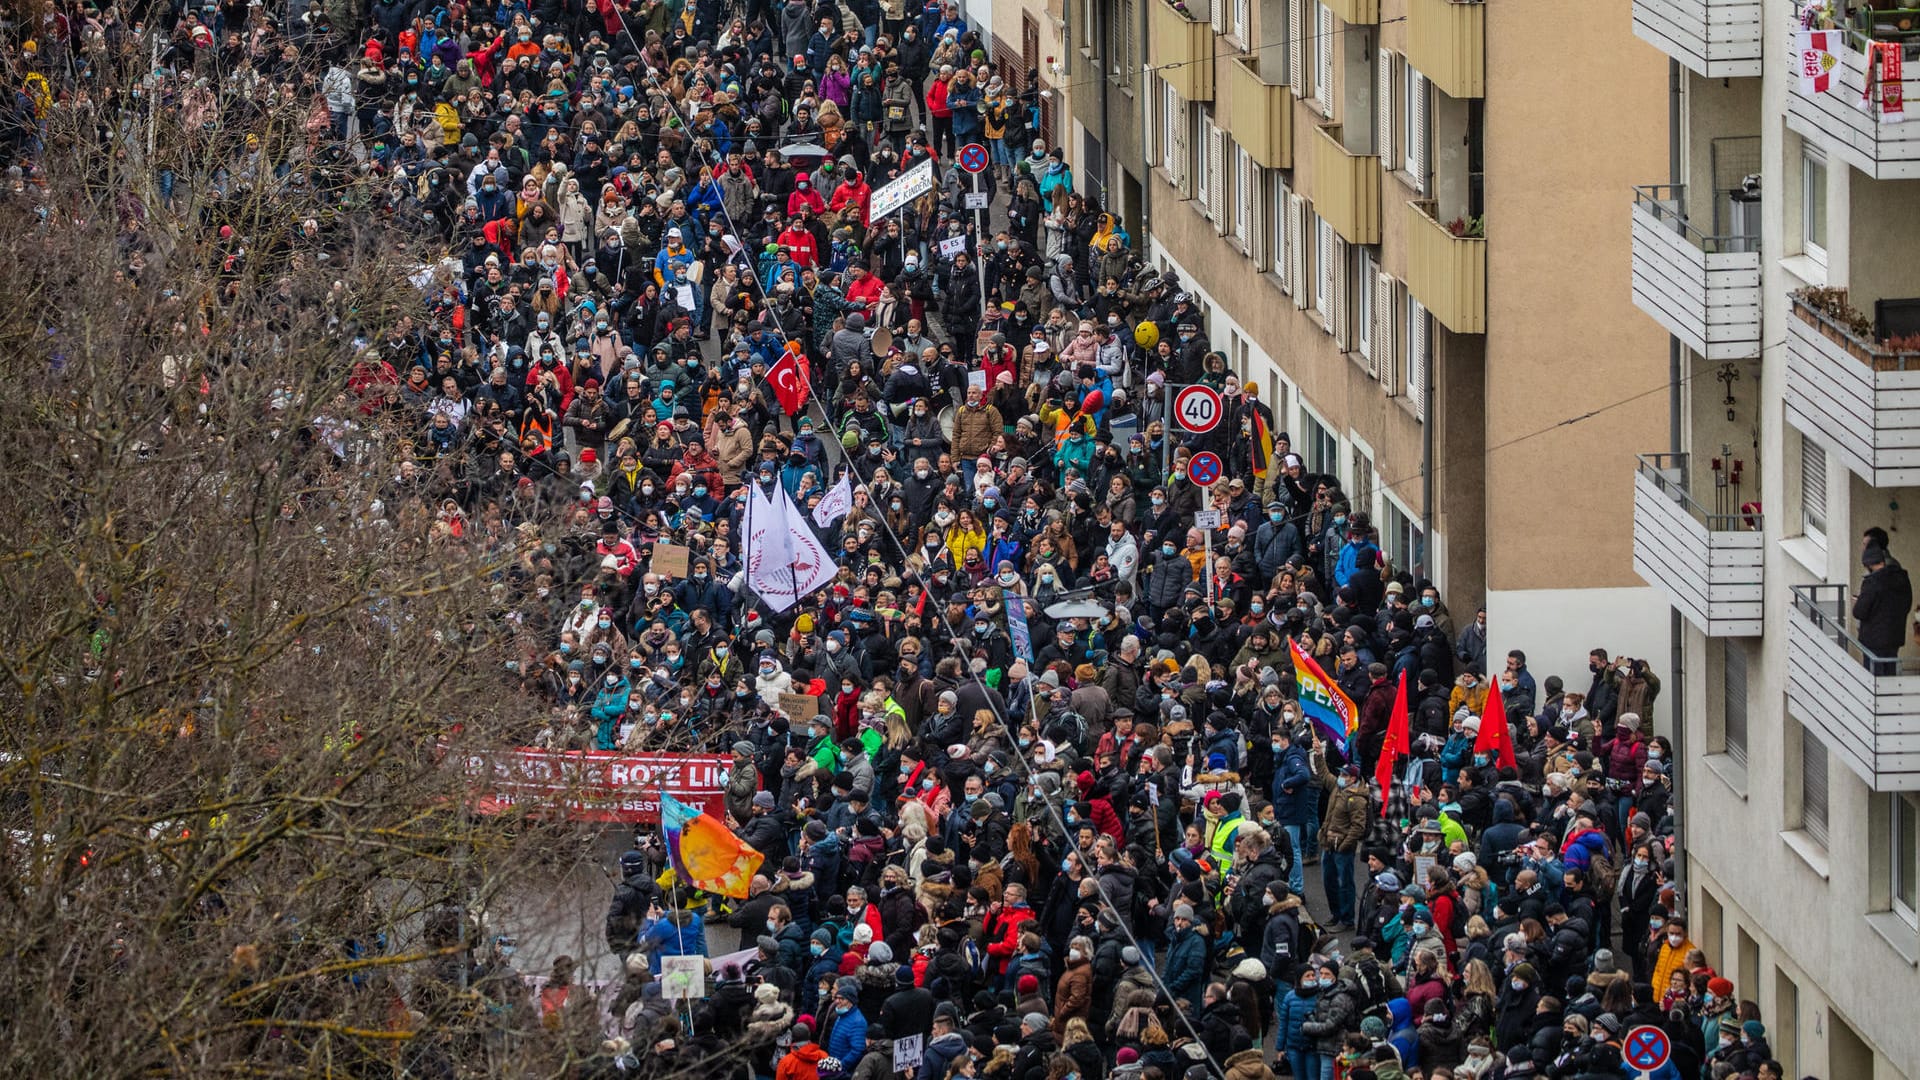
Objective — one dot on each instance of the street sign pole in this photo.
(980, 247)
(1206, 541)
(1166, 430)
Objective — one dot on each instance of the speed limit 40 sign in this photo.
(1198, 408)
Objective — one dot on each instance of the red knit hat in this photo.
(1720, 988)
(588, 455)
(1028, 984)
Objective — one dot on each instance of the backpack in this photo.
(1604, 872)
(1371, 979)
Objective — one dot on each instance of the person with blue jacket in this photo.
(609, 705)
(1295, 1007)
(846, 1031)
(680, 932)
(1186, 973)
(1295, 800)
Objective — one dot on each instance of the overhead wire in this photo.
(1122, 919)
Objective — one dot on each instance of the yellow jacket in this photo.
(961, 541)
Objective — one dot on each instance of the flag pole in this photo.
(679, 928)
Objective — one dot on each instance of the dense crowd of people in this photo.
(1053, 814)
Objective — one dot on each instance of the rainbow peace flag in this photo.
(1330, 709)
(704, 853)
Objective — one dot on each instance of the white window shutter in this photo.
(1324, 45)
(1342, 297)
(1297, 241)
(1218, 16)
(1418, 342)
(1382, 367)
(1323, 273)
(1182, 128)
(1417, 129)
(1217, 177)
(1243, 20)
(1296, 46)
(1384, 95)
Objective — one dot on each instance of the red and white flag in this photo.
(1893, 98)
(835, 504)
(785, 560)
(789, 378)
(1817, 59)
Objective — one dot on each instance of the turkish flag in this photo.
(789, 379)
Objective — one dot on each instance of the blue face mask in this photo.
(1426, 601)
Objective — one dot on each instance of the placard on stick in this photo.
(670, 559)
(799, 708)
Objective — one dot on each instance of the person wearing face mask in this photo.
(1672, 955)
(609, 708)
(1168, 576)
(1298, 1001)
(1345, 825)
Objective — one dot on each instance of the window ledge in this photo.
(1806, 268)
(1810, 851)
(1811, 554)
(1896, 931)
(1732, 772)
(1407, 181)
(1407, 405)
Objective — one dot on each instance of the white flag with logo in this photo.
(785, 561)
(835, 504)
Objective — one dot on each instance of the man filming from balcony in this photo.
(1880, 609)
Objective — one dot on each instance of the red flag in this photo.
(1399, 742)
(1494, 733)
(789, 378)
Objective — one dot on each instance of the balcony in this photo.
(1447, 41)
(1346, 188)
(1258, 114)
(1858, 398)
(1866, 708)
(1365, 12)
(1708, 564)
(1713, 38)
(1180, 47)
(1835, 121)
(1704, 289)
(1447, 271)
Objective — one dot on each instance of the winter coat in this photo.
(1295, 1007)
(1168, 581)
(848, 1039)
(1186, 971)
(1072, 995)
(1880, 607)
(677, 933)
(1346, 822)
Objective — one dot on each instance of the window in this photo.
(1362, 293)
(1419, 355)
(1299, 236)
(1203, 163)
(1735, 726)
(1216, 149)
(1280, 228)
(1413, 138)
(1813, 204)
(1383, 99)
(1813, 785)
(1242, 28)
(1904, 864)
(1319, 449)
(1323, 272)
(1813, 490)
(1217, 15)
(1363, 477)
(1246, 199)
(1323, 45)
(1400, 535)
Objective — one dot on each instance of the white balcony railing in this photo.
(1865, 408)
(1864, 707)
(1704, 289)
(1716, 39)
(1707, 564)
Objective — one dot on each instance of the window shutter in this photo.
(1417, 129)
(1813, 487)
(1323, 273)
(1246, 186)
(1342, 297)
(1735, 727)
(1181, 164)
(1296, 44)
(1217, 177)
(1813, 785)
(1218, 15)
(1419, 342)
(1382, 367)
(1323, 46)
(1243, 21)
(1297, 241)
(1383, 93)
(1129, 55)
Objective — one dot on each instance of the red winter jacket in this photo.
(1005, 930)
(1623, 758)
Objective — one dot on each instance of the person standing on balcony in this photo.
(1880, 609)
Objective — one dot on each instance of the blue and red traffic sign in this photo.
(1204, 468)
(1646, 1048)
(973, 157)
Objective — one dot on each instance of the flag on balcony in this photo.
(1893, 103)
(1262, 445)
(1817, 59)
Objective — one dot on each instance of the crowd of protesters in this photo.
(1039, 846)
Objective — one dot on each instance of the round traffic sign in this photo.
(973, 157)
(1198, 408)
(1646, 1048)
(1204, 468)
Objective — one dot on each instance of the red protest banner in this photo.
(594, 785)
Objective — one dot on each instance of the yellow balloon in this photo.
(1146, 335)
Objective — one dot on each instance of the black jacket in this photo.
(1881, 606)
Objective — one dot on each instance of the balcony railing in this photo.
(1180, 47)
(1346, 188)
(1864, 706)
(1708, 564)
(1715, 38)
(1704, 289)
(1447, 41)
(1257, 113)
(1445, 272)
(1835, 120)
(1366, 12)
(1857, 398)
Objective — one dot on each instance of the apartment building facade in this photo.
(1395, 216)
(1801, 745)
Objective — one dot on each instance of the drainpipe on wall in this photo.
(1145, 98)
(1676, 627)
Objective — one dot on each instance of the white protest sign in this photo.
(916, 182)
(976, 200)
(683, 978)
(906, 1052)
(952, 245)
(1207, 519)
